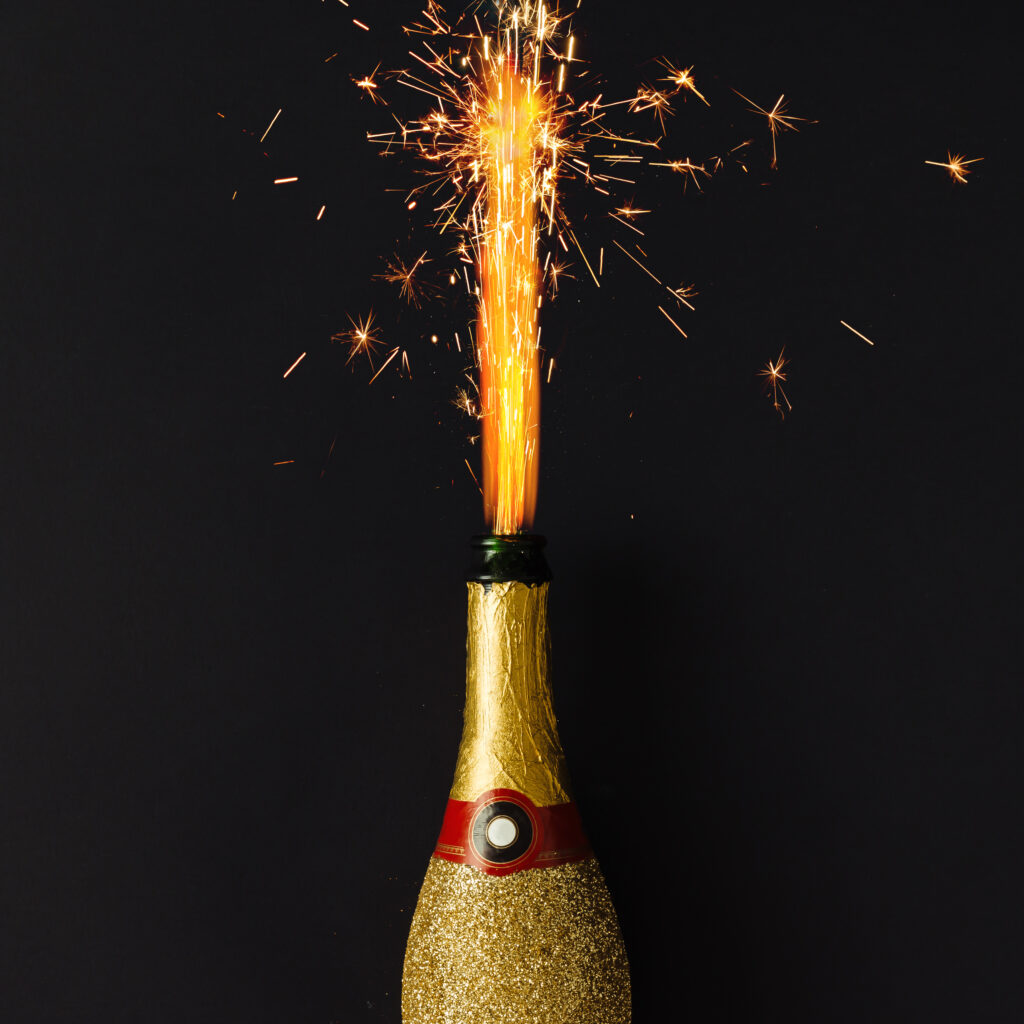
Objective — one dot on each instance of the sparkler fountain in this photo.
(514, 922)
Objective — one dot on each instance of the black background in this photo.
(787, 652)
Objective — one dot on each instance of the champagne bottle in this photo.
(514, 923)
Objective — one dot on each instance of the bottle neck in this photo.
(510, 736)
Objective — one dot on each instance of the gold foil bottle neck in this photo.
(510, 736)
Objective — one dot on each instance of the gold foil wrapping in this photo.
(536, 947)
(510, 737)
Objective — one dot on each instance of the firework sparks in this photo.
(271, 125)
(686, 167)
(649, 98)
(672, 322)
(411, 288)
(383, 366)
(638, 263)
(630, 212)
(464, 402)
(684, 293)
(473, 475)
(556, 271)
(362, 339)
(369, 85)
(855, 331)
(956, 166)
(503, 134)
(778, 121)
(775, 377)
(683, 80)
(287, 373)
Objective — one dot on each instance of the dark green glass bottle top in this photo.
(506, 559)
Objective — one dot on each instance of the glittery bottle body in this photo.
(514, 923)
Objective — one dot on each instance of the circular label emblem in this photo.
(502, 832)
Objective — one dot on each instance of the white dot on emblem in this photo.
(502, 832)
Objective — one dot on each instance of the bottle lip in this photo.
(508, 558)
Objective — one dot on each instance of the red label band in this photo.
(504, 831)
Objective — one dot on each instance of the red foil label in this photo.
(504, 831)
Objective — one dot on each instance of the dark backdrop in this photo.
(787, 653)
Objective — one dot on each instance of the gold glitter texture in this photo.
(536, 947)
(510, 737)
